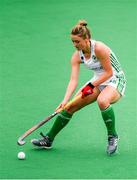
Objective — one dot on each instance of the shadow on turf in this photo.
(77, 152)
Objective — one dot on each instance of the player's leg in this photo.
(63, 118)
(108, 96)
(82, 102)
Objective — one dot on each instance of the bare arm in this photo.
(75, 66)
(103, 54)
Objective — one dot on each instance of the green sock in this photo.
(109, 119)
(60, 122)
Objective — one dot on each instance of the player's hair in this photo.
(81, 30)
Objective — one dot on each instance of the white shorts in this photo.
(116, 81)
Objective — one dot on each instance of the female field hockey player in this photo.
(106, 87)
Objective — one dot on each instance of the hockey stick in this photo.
(21, 140)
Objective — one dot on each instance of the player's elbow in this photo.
(110, 73)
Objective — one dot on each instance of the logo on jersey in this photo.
(94, 58)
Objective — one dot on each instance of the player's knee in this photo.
(102, 102)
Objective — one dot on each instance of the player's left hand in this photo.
(87, 90)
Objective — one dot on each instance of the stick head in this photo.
(20, 142)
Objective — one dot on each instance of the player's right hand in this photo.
(60, 107)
